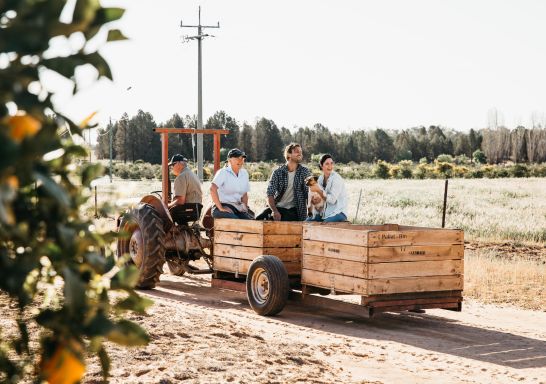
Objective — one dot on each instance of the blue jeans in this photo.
(228, 215)
(332, 219)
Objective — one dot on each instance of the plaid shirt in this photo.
(279, 182)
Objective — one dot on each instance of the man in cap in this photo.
(287, 192)
(187, 187)
(229, 188)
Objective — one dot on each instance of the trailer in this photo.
(391, 267)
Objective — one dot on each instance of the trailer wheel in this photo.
(267, 285)
(145, 243)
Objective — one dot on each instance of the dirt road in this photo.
(205, 335)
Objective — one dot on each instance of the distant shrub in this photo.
(519, 170)
(394, 171)
(257, 176)
(459, 171)
(381, 170)
(406, 169)
(444, 158)
(479, 156)
(462, 160)
(538, 170)
(443, 169)
(423, 160)
(475, 173)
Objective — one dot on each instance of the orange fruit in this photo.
(22, 126)
(64, 366)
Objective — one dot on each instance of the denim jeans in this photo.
(338, 217)
(228, 215)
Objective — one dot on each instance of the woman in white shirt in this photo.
(229, 188)
(331, 187)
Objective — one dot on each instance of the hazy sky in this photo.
(347, 64)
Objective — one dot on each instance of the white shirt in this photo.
(231, 187)
(336, 195)
(287, 199)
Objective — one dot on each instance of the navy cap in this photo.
(236, 152)
(176, 158)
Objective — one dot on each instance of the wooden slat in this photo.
(456, 295)
(336, 235)
(415, 284)
(335, 251)
(333, 266)
(415, 253)
(414, 269)
(228, 284)
(240, 266)
(238, 225)
(250, 253)
(336, 282)
(282, 228)
(392, 303)
(257, 240)
(400, 308)
(400, 238)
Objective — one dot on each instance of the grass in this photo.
(506, 216)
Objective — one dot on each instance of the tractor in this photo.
(155, 234)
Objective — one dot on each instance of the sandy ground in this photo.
(206, 335)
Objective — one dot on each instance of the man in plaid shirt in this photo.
(287, 192)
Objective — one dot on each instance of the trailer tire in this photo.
(267, 285)
(145, 243)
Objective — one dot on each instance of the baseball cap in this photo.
(176, 158)
(236, 152)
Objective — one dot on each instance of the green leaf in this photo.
(115, 35)
(108, 15)
(128, 333)
(91, 172)
(96, 60)
(74, 292)
(126, 278)
(53, 189)
(99, 325)
(135, 303)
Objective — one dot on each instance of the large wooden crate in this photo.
(238, 242)
(386, 259)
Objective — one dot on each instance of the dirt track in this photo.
(205, 335)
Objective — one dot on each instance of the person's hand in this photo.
(277, 216)
(244, 207)
(224, 209)
(315, 188)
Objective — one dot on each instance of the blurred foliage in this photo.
(56, 269)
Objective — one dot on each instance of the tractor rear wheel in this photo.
(145, 243)
(267, 285)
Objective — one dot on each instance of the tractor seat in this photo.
(185, 213)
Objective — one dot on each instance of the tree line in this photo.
(133, 139)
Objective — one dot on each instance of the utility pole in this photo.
(199, 37)
(111, 129)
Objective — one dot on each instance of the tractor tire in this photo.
(267, 285)
(145, 243)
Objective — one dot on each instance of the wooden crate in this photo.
(238, 242)
(382, 260)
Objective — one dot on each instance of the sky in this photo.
(351, 64)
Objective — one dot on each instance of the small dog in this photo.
(315, 203)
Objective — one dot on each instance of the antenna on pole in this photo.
(199, 37)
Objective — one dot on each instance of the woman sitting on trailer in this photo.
(331, 188)
(229, 189)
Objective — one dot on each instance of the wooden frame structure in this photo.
(165, 151)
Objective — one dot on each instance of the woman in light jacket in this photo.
(331, 188)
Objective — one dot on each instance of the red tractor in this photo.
(156, 235)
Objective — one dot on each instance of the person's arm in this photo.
(244, 200)
(216, 199)
(271, 189)
(177, 200)
(273, 206)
